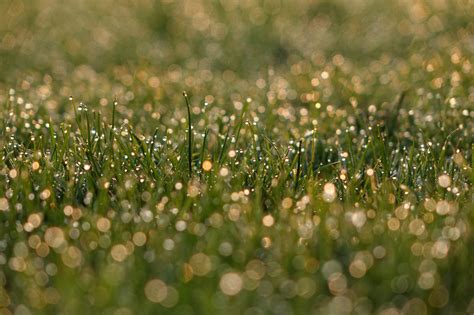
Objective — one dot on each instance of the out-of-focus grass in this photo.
(331, 157)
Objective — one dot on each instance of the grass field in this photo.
(320, 160)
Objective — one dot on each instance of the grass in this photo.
(323, 163)
(190, 137)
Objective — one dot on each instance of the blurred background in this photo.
(222, 48)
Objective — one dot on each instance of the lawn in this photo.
(236, 157)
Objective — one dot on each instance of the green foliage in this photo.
(321, 161)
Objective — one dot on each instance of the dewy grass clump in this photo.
(321, 161)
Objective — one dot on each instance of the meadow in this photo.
(236, 157)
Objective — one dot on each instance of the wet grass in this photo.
(289, 178)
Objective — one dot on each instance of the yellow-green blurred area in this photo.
(240, 36)
(232, 43)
